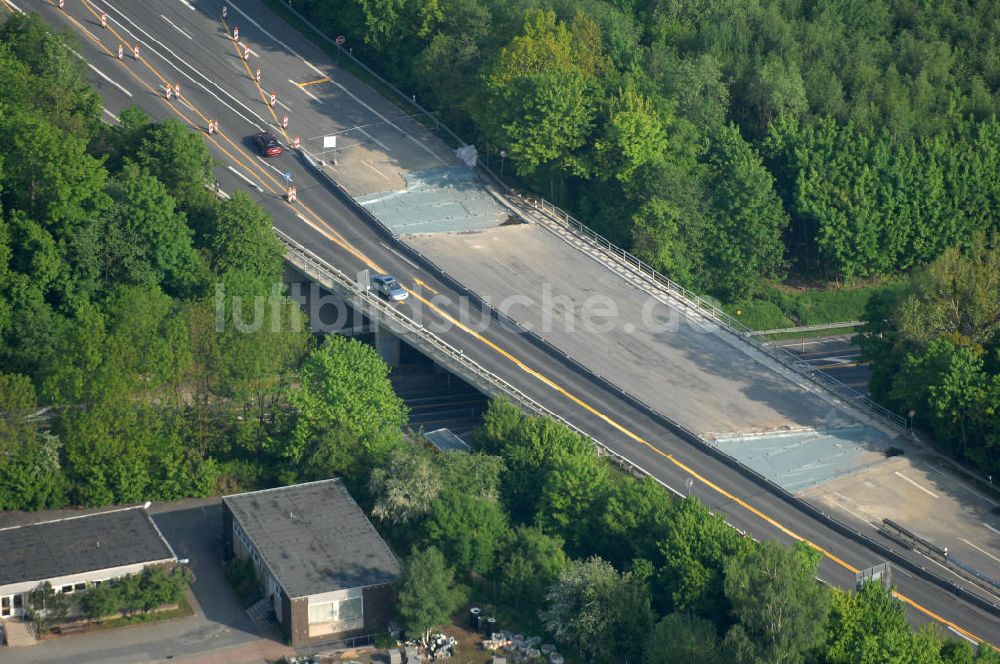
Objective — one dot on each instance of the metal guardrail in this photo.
(808, 328)
(693, 300)
(709, 309)
(637, 265)
(310, 264)
(314, 266)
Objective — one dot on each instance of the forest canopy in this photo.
(724, 142)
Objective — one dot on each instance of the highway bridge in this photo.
(331, 238)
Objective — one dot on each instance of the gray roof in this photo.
(447, 441)
(314, 537)
(74, 545)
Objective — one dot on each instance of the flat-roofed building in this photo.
(319, 560)
(75, 552)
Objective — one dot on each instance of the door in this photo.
(11, 606)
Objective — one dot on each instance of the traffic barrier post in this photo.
(284, 121)
(274, 98)
(236, 34)
(135, 51)
(121, 51)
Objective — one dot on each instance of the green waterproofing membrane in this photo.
(801, 459)
(439, 200)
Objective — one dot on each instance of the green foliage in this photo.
(533, 449)
(780, 608)
(242, 576)
(695, 549)
(681, 638)
(151, 588)
(148, 242)
(242, 241)
(405, 486)
(530, 563)
(46, 608)
(746, 241)
(106, 254)
(934, 350)
(467, 528)
(345, 386)
(31, 474)
(634, 520)
(426, 593)
(101, 601)
(645, 119)
(603, 614)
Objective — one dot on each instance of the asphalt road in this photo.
(185, 42)
(836, 355)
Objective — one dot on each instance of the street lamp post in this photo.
(909, 422)
(503, 155)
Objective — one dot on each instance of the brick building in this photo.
(319, 560)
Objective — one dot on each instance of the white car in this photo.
(387, 286)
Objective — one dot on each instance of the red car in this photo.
(268, 144)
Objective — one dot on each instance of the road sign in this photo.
(287, 176)
(330, 142)
(340, 40)
(881, 573)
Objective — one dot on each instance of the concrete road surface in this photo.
(186, 42)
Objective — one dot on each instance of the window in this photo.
(18, 601)
(79, 586)
(347, 611)
(4, 606)
(66, 589)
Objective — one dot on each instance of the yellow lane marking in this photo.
(325, 79)
(424, 286)
(264, 97)
(248, 160)
(670, 457)
(336, 238)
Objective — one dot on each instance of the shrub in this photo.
(243, 578)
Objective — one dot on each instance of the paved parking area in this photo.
(219, 631)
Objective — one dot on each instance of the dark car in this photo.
(268, 144)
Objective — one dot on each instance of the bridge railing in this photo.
(707, 308)
(636, 264)
(310, 264)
